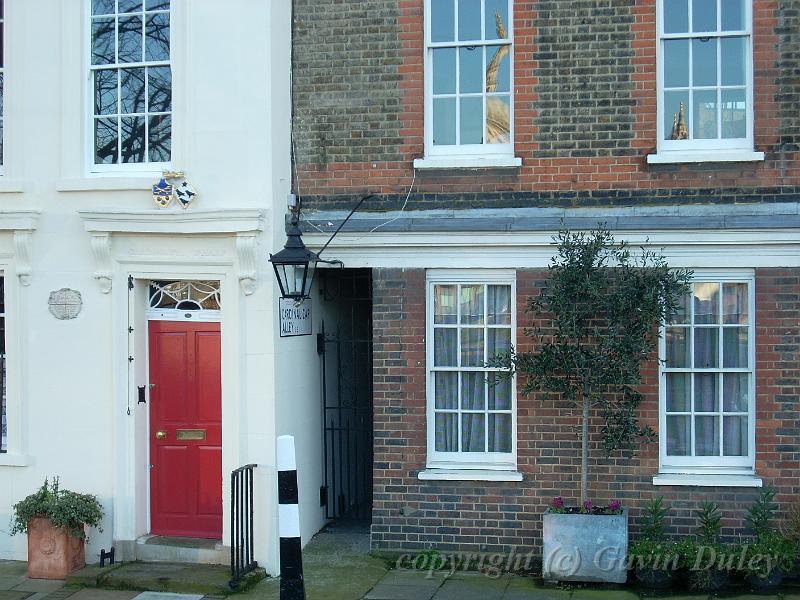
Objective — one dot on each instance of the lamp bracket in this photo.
(346, 219)
(335, 261)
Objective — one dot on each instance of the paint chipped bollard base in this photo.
(580, 547)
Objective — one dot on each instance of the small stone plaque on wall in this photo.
(65, 304)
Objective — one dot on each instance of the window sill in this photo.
(703, 480)
(104, 183)
(13, 460)
(468, 475)
(698, 156)
(468, 162)
(11, 186)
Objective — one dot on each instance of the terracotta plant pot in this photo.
(52, 552)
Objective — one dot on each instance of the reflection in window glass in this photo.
(676, 16)
(471, 120)
(704, 69)
(443, 26)
(470, 64)
(704, 107)
(704, 15)
(132, 81)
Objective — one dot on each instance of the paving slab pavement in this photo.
(525, 588)
(12, 573)
(180, 578)
(473, 586)
(96, 594)
(9, 595)
(10, 582)
(39, 585)
(167, 596)
(609, 594)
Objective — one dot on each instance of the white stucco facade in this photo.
(72, 392)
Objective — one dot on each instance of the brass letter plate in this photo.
(190, 434)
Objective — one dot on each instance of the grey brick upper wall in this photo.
(788, 31)
(345, 78)
(584, 51)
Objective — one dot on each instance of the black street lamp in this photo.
(295, 264)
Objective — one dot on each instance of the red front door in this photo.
(185, 429)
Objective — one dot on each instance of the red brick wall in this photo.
(412, 514)
(373, 148)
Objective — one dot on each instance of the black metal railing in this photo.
(242, 561)
(347, 410)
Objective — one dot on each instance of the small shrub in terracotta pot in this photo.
(55, 521)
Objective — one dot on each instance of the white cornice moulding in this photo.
(19, 220)
(21, 223)
(731, 248)
(242, 223)
(235, 220)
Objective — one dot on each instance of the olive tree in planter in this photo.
(55, 521)
(598, 317)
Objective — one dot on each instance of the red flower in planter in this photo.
(557, 504)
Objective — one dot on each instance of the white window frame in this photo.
(122, 168)
(469, 150)
(713, 465)
(487, 461)
(3, 92)
(201, 315)
(16, 452)
(700, 150)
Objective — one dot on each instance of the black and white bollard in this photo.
(289, 522)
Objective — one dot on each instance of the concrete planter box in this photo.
(52, 552)
(585, 547)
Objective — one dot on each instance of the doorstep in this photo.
(159, 548)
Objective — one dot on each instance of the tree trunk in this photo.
(585, 447)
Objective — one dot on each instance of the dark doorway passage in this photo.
(345, 349)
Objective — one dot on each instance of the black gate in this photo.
(346, 361)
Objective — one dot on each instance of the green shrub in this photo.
(64, 508)
(769, 552)
(710, 523)
(653, 520)
(762, 513)
(656, 555)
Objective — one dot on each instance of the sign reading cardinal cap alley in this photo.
(295, 317)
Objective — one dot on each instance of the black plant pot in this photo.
(654, 579)
(766, 584)
(709, 580)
